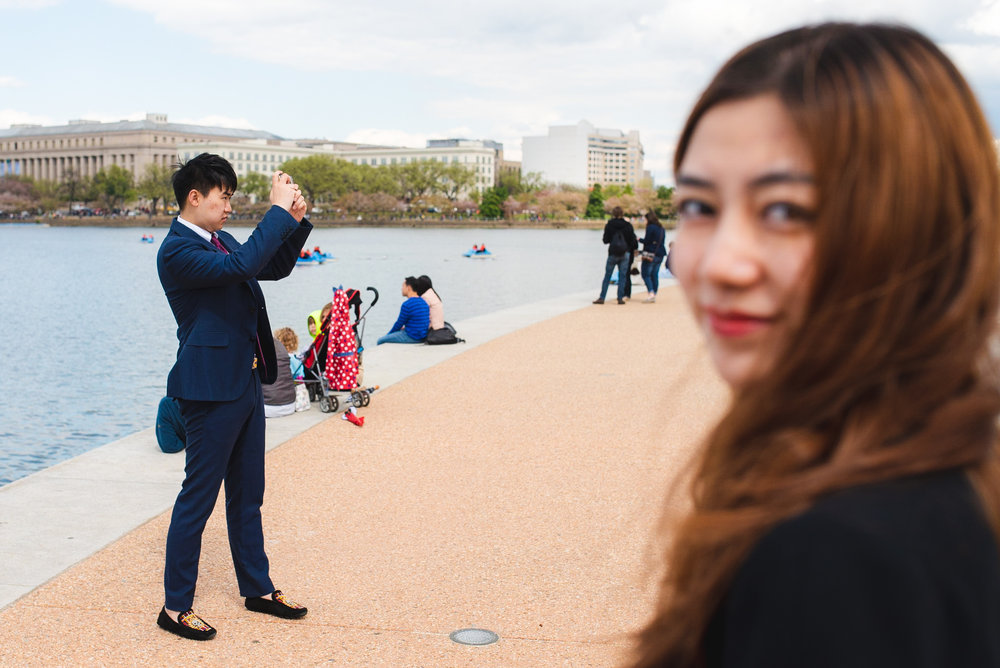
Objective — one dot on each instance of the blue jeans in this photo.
(399, 336)
(651, 274)
(620, 261)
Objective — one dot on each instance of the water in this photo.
(90, 337)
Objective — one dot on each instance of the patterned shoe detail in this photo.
(193, 621)
(284, 600)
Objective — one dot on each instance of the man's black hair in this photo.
(202, 173)
(413, 283)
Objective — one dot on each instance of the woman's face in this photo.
(746, 199)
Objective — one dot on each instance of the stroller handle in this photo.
(376, 296)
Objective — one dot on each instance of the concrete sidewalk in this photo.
(515, 487)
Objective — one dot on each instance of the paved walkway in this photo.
(512, 483)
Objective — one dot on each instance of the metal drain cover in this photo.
(474, 637)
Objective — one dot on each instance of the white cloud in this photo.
(33, 5)
(383, 137)
(10, 117)
(10, 82)
(215, 121)
(511, 69)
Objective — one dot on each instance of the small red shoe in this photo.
(350, 416)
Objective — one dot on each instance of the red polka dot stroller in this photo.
(333, 363)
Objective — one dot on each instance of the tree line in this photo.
(338, 188)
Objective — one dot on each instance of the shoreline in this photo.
(143, 482)
(538, 523)
(164, 221)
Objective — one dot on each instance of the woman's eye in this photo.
(693, 208)
(786, 212)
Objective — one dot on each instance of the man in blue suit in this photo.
(225, 352)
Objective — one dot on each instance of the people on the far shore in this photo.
(653, 253)
(620, 237)
(436, 309)
(414, 317)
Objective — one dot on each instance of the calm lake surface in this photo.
(91, 338)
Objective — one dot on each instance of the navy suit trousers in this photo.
(225, 443)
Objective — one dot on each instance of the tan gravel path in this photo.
(515, 487)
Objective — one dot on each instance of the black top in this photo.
(903, 573)
(620, 225)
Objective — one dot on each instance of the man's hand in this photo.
(283, 191)
(298, 209)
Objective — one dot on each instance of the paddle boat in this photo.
(147, 239)
(307, 260)
(316, 256)
(477, 251)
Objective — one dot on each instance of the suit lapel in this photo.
(186, 232)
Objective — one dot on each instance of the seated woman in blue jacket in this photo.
(414, 317)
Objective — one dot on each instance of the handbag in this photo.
(442, 336)
(301, 398)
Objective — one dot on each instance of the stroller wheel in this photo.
(365, 399)
(334, 404)
(324, 404)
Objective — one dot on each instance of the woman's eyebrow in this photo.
(773, 178)
(694, 181)
(764, 180)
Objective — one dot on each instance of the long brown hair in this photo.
(890, 373)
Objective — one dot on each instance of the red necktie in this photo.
(260, 352)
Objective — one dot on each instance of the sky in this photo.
(400, 72)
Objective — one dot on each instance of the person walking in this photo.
(620, 237)
(653, 252)
(225, 352)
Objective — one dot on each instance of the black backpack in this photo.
(618, 245)
(443, 336)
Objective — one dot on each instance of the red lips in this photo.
(733, 324)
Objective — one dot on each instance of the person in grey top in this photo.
(279, 396)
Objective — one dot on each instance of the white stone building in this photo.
(264, 155)
(86, 147)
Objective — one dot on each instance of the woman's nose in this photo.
(733, 256)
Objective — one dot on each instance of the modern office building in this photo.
(582, 155)
(85, 147)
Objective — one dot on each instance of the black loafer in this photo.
(188, 625)
(278, 605)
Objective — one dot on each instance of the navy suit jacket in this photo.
(219, 307)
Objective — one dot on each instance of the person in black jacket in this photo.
(845, 509)
(620, 237)
(653, 252)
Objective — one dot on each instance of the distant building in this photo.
(511, 167)
(86, 147)
(582, 155)
(264, 155)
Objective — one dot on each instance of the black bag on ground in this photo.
(618, 245)
(445, 335)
